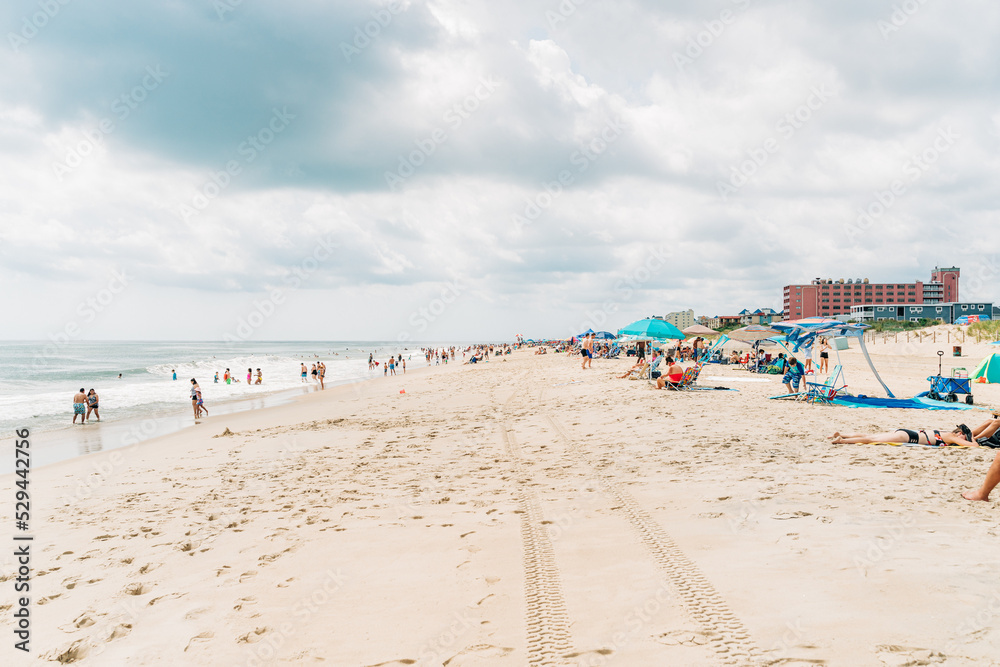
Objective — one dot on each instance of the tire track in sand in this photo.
(727, 635)
(548, 638)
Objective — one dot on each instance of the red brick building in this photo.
(826, 297)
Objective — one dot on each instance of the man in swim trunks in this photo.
(305, 371)
(794, 375)
(80, 405)
(587, 351)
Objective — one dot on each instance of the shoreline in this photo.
(68, 443)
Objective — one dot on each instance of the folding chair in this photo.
(825, 392)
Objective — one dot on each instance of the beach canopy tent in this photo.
(989, 368)
(803, 334)
(699, 330)
(651, 329)
(753, 333)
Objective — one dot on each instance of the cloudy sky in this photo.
(469, 169)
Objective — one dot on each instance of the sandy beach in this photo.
(525, 512)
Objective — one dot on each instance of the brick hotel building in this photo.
(825, 298)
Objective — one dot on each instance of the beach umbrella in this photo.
(652, 328)
(753, 333)
(604, 335)
(699, 330)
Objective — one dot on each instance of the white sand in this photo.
(496, 515)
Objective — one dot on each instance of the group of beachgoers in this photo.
(478, 353)
(396, 363)
(793, 371)
(317, 372)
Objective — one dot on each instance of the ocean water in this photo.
(38, 379)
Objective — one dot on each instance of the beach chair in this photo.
(647, 373)
(825, 392)
(688, 379)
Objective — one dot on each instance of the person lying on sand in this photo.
(960, 436)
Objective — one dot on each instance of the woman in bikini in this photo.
(93, 402)
(960, 436)
(824, 356)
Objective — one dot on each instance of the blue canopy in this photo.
(802, 334)
(652, 328)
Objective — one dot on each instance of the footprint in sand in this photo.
(149, 567)
(200, 638)
(682, 638)
(249, 600)
(78, 650)
(137, 588)
(905, 656)
(251, 637)
(84, 620)
(246, 576)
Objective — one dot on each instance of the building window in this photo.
(982, 307)
(911, 300)
(878, 300)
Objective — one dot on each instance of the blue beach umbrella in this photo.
(650, 328)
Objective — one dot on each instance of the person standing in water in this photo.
(227, 377)
(93, 402)
(197, 402)
(175, 374)
(249, 375)
(305, 373)
(80, 405)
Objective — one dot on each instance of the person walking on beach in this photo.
(586, 351)
(197, 403)
(93, 403)
(80, 405)
(321, 374)
(305, 372)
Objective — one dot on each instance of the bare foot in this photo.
(835, 436)
(975, 495)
